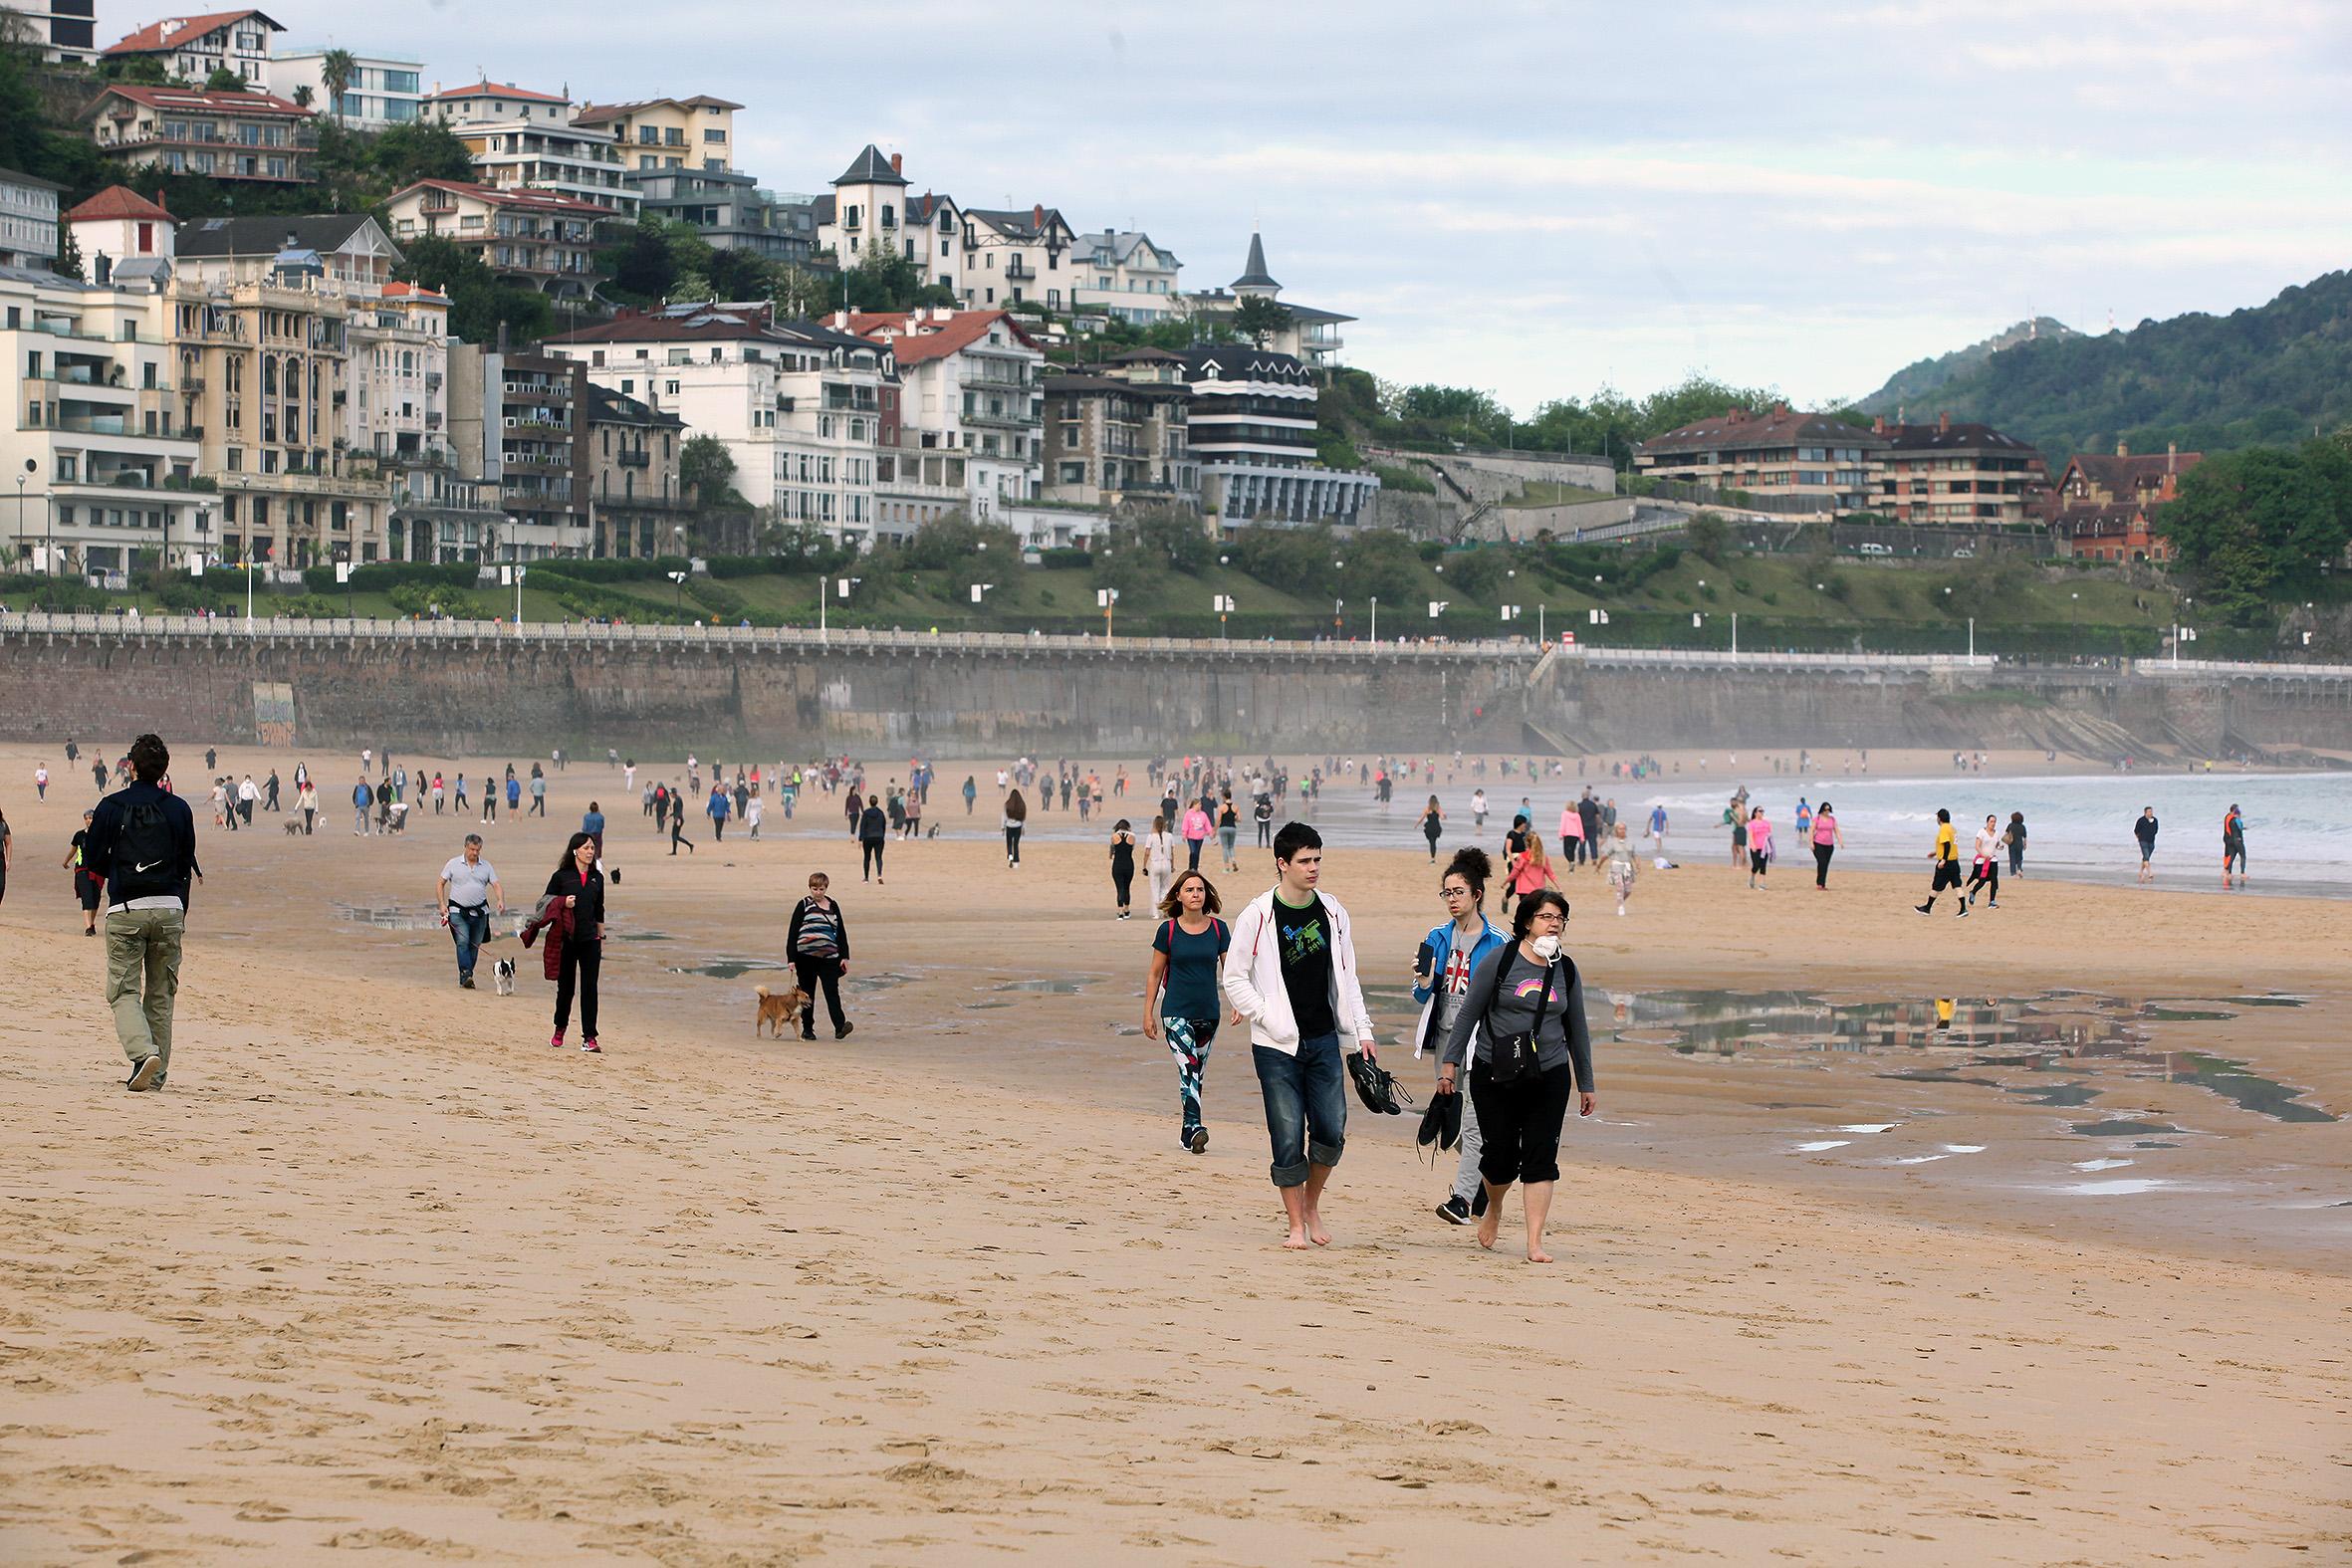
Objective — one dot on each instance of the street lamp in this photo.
(30, 467)
(1375, 618)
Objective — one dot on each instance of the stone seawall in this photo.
(493, 693)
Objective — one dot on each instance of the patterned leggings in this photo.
(1189, 1039)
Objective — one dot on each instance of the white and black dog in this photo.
(502, 975)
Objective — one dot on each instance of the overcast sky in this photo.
(1543, 199)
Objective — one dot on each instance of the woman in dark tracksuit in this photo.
(580, 957)
(1529, 986)
(874, 835)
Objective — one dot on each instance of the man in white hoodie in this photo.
(1291, 973)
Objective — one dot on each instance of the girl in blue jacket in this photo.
(1440, 976)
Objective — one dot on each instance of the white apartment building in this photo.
(522, 139)
(97, 473)
(60, 32)
(1123, 274)
(382, 92)
(970, 412)
(191, 48)
(28, 220)
(802, 409)
(1016, 255)
(1253, 428)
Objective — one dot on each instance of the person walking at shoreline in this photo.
(971, 793)
(40, 781)
(142, 846)
(1736, 815)
(7, 853)
(2017, 843)
(1015, 819)
(1448, 954)
(1291, 973)
(1159, 861)
(1122, 864)
(1571, 834)
(1433, 825)
(1658, 830)
(1533, 869)
(85, 886)
(818, 942)
(1759, 846)
(2233, 846)
(1182, 995)
(717, 808)
(2144, 830)
(873, 836)
(1229, 830)
(752, 813)
(468, 884)
(457, 800)
(1984, 868)
(1946, 855)
(1522, 1036)
(573, 917)
(514, 788)
(538, 792)
(1827, 842)
(1477, 811)
(362, 796)
(1196, 834)
(591, 822)
(679, 824)
(1621, 865)
(1262, 812)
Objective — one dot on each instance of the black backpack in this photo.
(146, 860)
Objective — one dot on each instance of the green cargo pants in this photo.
(142, 978)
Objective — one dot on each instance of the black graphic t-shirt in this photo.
(1305, 935)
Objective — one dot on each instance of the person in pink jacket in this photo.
(1571, 834)
(1196, 834)
(1759, 846)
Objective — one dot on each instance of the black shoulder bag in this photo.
(1511, 1058)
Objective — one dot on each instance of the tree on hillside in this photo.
(1258, 318)
(884, 279)
(2251, 525)
(1709, 534)
(223, 80)
(134, 69)
(337, 68)
(705, 464)
(479, 300)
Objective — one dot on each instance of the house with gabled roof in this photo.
(1125, 275)
(668, 133)
(1310, 333)
(968, 435)
(191, 48)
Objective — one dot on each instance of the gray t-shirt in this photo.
(1512, 985)
(469, 885)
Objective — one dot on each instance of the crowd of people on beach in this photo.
(1501, 1000)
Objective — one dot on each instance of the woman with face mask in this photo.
(1525, 1013)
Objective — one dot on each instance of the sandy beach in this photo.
(380, 1271)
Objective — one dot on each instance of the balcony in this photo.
(628, 459)
(1021, 416)
(1018, 270)
(432, 380)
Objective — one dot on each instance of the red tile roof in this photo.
(192, 98)
(118, 201)
(489, 88)
(537, 200)
(397, 290)
(157, 37)
(927, 339)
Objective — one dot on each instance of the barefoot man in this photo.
(1290, 972)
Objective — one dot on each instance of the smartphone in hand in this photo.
(1424, 960)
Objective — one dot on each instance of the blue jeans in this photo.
(1305, 1105)
(470, 930)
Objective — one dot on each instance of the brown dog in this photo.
(778, 1010)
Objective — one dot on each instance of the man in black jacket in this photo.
(142, 844)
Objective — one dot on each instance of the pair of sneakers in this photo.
(588, 1045)
(809, 1031)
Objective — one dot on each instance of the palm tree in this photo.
(302, 95)
(337, 68)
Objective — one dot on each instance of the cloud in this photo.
(1535, 197)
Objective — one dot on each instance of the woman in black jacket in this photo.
(873, 835)
(1526, 987)
(580, 886)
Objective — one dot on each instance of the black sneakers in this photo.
(844, 1031)
(1454, 1212)
(465, 981)
(807, 1032)
(1198, 1143)
(146, 1078)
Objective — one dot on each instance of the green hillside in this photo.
(1907, 389)
(2269, 374)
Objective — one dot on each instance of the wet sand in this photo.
(383, 1270)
